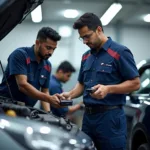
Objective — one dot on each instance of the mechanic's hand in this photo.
(54, 101)
(101, 91)
(60, 97)
(66, 95)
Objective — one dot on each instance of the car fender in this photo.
(139, 136)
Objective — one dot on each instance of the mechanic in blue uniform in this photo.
(109, 69)
(28, 71)
(62, 75)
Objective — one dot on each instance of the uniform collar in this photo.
(58, 81)
(104, 47)
(107, 44)
(32, 54)
(33, 58)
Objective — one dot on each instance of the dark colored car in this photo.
(13, 12)
(21, 134)
(34, 114)
(137, 110)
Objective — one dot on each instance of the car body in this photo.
(34, 114)
(31, 135)
(137, 111)
(14, 12)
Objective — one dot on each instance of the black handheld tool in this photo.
(90, 90)
(66, 102)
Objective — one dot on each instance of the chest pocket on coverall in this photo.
(87, 74)
(43, 76)
(87, 70)
(104, 73)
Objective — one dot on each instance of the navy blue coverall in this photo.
(56, 87)
(23, 61)
(113, 64)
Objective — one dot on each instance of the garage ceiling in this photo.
(131, 13)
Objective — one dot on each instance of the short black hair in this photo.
(47, 32)
(90, 20)
(66, 66)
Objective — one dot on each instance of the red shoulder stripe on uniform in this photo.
(113, 54)
(47, 67)
(85, 56)
(28, 60)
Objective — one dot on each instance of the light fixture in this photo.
(147, 18)
(36, 14)
(71, 13)
(65, 31)
(110, 13)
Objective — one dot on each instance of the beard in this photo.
(92, 47)
(43, 57)
(95, 46)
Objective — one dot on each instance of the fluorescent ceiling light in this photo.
(147, 18)
(110, 13)
(65, 31)
(71, 13)
(36, 14)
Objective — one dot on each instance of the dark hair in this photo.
(47, 32)
(90, 20)
(66, 66)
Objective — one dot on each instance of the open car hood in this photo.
(13, 12)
